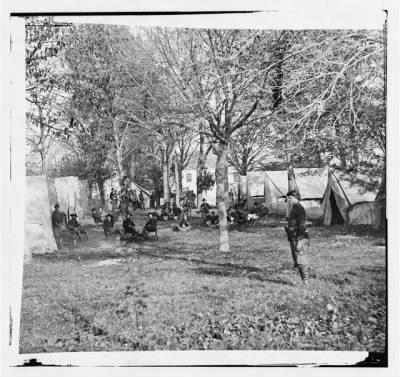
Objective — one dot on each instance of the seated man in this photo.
(129, 226)
(204, 210)
(231, 215)
(76, 228)
(240, 216)
(166, 213)
(96, 216)
(176, 211)
(263, 210)
(150, 226)
(183, 224)
(253, 214)
(212, 218)
(108, 225)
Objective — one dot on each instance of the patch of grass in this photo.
(180, 293)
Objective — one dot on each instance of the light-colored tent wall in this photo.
(39, 236)
(344, 190)
(366, 213)
(311, 183)
(72, 196)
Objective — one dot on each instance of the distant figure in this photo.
(263, 210)
(101, 213)
(231, 197)
(76, 228)
(183, 225)
(113, 194)
(150, 226)
(141, 199)
(212, 218)
(152, 200)
(205, 207)
(129, 226)
(96, 216)
(253, 214)
(58, 220)
(166, 213)
(176, 211)
(108, 225)
(204, 210)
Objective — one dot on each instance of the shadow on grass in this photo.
(252, 273)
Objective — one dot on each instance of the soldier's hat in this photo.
(108, 215)
(57, 206)
(294, 193)
(73, 215)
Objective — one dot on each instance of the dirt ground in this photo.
(180, 293)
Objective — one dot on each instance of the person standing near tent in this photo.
(231, 198)
(152, 200)
(298, 234)
(58, 220)
(141, 198)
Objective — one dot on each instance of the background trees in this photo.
(140, 102)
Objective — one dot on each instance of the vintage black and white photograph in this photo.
(204, 188)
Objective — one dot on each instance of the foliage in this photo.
(205, 181)
(44, 75)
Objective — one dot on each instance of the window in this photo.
(236, 178)
(188, 177)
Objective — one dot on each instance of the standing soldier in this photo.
(141, 198)
(231, 198)
(58, 220)
(298, 234)
(152, 200)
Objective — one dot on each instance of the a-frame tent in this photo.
(39, 237)
(345, 200)
(311, 183)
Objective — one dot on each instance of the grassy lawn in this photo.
(179, 293)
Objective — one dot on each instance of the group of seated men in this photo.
(128, 229)
(59, 222)
(235, 214)
(169, 212)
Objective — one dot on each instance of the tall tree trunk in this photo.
(118, 153)
(90, 194)
(100, 185)
(342, 149)
(43, 166)
(292, 185)
(131, 172)
(201, 159)
(177, 184)
(222, 196)
(164, 161)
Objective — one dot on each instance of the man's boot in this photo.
(303, 270)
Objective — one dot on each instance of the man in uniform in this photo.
(108, 225)
(141, 199)
(58, 220)
(298, 234)
(76, 228)
(129, 226)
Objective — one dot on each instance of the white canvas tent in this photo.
(71, 195)
(347, 200)
(39, 236)
(310, 181)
